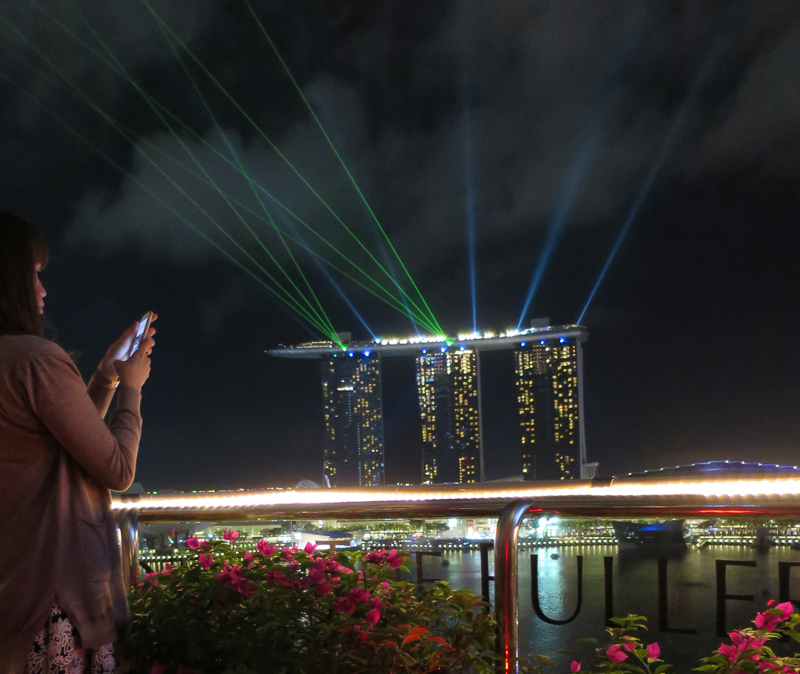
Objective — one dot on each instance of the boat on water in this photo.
(656, 536)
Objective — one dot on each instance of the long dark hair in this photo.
(22, 247)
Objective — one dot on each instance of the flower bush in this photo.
(747, 652)
(286, 611)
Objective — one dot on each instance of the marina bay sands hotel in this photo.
(549, 380)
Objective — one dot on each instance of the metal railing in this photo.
(758, 496)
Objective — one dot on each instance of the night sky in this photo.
(549, 123)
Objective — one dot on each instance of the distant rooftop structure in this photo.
(719, 468)
(416, 344)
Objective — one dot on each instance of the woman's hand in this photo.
(135, 371)
(119, 350)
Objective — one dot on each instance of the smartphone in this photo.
(141, 331)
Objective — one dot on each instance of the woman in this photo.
(61, 591)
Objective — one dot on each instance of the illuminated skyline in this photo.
(549, 384)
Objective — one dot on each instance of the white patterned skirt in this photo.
(57, 650)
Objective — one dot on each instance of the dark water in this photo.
(691, 595)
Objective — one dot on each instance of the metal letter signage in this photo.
(537, 609)
(722, 595)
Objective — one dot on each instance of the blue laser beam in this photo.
(389, 266)
(291, 227)
(666, 147)
(342, 294)
(468, 154)
(574, 181)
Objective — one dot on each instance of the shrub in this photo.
(291, 611)
(747, 652)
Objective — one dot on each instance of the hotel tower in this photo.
(353, 411)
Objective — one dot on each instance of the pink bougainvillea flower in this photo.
(575, 666)
(373, 616)
(376, 602)
(157, 668)
(653, 651)
(786, 610)
(344, 605)
(310, 547)
(359, 596)
(728, 652)
(376, 556)
(386, 585)
(395, 560)
(333, 565)
(206, 560)
(629, 646)
(265, 548)
(248, 557)
(751, 644)
(230, 535)
(232, 578)
(323, 588)
(615, 653)
(767, 621)
(316, 576)
(766, 666)
(277, 577)
(193, 543)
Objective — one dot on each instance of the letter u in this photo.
(537, 609)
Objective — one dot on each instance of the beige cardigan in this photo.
(58, 461)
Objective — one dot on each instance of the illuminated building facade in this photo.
(353, 412)
(549, 388)
(447, 386)
(548, 377)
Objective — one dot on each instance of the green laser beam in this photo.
(126, 133)
(325, 330)
(336, 152)
(321, 311)
(321, 316)
(297, 308)
(397, 305)
(196, 229)
(277, 150)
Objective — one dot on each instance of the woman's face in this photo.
(40, 291)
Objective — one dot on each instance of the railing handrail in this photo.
(634, 497)
(754, 496)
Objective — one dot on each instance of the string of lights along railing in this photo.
(730, 496)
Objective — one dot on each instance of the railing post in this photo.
(484, 547)
(505, 583)
(129, 546)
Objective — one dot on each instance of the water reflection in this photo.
(691, 593)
